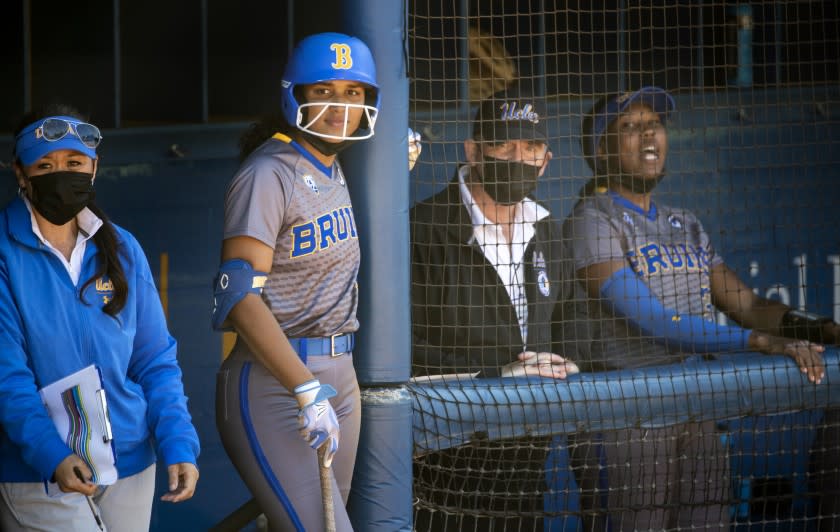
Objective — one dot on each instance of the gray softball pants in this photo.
(257, 421)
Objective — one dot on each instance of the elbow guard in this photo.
(236, 278)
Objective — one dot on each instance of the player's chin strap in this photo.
(327, 148)
(236, 278)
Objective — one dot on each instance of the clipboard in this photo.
(78, 406)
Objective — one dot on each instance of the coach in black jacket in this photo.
(463, 319)
(486, 258)
(487, 292)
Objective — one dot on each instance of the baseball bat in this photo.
(326, 490)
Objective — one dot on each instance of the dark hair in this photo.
(262, 130)
(106, 237)
(586, 132)
(598, 180)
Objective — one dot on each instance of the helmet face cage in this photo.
(329, 57)
(367, 123)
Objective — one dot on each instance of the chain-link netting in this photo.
(643, 192)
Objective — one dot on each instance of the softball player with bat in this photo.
(287, 286)
(654, 283)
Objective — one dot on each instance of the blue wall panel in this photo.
(762, 175)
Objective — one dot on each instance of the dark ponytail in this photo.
(262, 130)
(600, 177)
(106, 237)
(109, 263)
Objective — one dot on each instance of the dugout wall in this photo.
(759, 160)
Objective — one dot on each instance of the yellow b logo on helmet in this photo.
(343, 59)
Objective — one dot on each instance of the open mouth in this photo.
(650, 153)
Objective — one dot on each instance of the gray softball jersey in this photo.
(669, 250)
(285, 198)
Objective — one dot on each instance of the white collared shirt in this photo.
(88, 223)
(506, 257)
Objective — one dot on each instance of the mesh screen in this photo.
(675, 420)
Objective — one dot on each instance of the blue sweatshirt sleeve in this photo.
(630, 297)
(155, 367)
(22, 413)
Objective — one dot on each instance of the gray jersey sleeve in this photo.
(256, 200)
(700, 235)
(593, 237)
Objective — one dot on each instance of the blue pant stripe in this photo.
(265, 467)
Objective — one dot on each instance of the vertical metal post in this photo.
(291, 38)
(741, 15)
(463, 32)
(205, 94)
(539, 51)
(27, 55)
(777, 40)
(117, 66)
(700, 58)
(622, 45)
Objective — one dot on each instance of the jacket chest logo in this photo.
(105, 289)
(543, 284)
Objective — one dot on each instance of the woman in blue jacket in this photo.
(75, 291)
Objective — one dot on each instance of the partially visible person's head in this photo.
(329, 90)
(509, 146)
(56, 160)
(624, 138)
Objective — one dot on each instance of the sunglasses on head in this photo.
(54, 129)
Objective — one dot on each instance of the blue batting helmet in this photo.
(329, 57)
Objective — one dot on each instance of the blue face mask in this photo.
(508, 182)
(60, 196)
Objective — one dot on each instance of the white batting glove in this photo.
(318, 423)
(414, 148)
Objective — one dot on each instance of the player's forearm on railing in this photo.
(739, 302)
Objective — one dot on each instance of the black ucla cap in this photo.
(511, 115)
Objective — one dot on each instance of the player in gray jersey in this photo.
(655, 283)
(287, 286)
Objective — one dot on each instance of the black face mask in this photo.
(59, 196)
(508, 182)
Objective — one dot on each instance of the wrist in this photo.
(758, 341)
(804, 325)
(306, 392)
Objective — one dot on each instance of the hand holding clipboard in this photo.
(79, 410)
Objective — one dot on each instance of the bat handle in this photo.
(326, 490)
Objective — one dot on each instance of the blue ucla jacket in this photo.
(47, 332)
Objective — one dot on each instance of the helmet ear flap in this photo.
(288, 102)
(372, 100)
